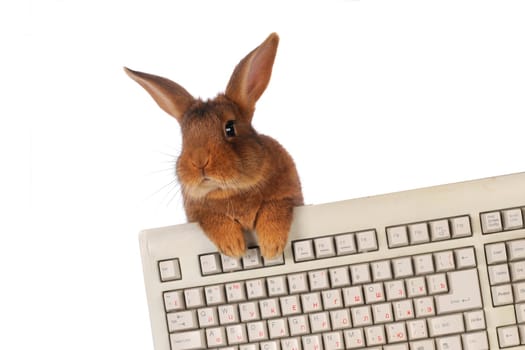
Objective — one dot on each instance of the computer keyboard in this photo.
(435, 268)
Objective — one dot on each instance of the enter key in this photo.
(463, 293)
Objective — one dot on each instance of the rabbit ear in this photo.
(252, 75)
(170, 96)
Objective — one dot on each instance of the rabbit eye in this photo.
(229, 128)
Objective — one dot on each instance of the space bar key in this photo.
(463, 293)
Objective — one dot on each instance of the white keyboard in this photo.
(436, 268)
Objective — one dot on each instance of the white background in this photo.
(369, 97)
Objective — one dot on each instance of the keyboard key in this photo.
(495, 253)
(437, 283)
(230, 264)
(345, 244)
(312, 342)
(169, 270)
(278, 260)
(290, 305)
(303, 250)
(255, 288)
(181, 321)
(340, 319)
(366, 241)
(194, 297)
(447, 343)
(416, 287)
(354, 338)
(375, 335)
(297, 283)
(243, 347)
(508, 336)
(444, 261)
(423, 264)
(382, 313)
(403, 310)
(475, 341)
(444, 325)
(491, 222)
(319, 322)
(460, 226)
(396, 332)
(318, 279)
(474, 320)
(339, 276)
(395, 290)
(502, 295)
(207, 317)
(277, 286)
(464, 292)
(256, 331)
(235, 292)
(417, 329)
(519, 292)
(520, 312)
(360, 273)
(174, 300)
(298, 325)
(516, 249)
(270, 308)
(424, 307)
(381, 270)
(402, 267)
(332, 299)
(216, 337)
(249, 311)
(228, 314)
(439, 230)
(512, 219)
(374, 293)
(236, 334)
(266, 345)
(397, 236)
(324, 247)
(252, 259)
(291, 344)
(333, 340)
(311, 302)
(418, 233)
(210, 264)
(403, 346)
(361, 315)
(214, 294)
(353, 296)
(278, 328)
(188, 340)
(499, 274)
(465, 258)
(422, 345)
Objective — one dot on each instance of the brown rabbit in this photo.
(233, 179)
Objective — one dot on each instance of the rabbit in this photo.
(233, 179)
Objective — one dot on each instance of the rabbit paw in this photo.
(272, 245)
(232, 244)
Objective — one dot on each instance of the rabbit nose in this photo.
(200, 159)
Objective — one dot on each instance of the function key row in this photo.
(334, 245)
(502, 220)
(214, 263)
(428, 231)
